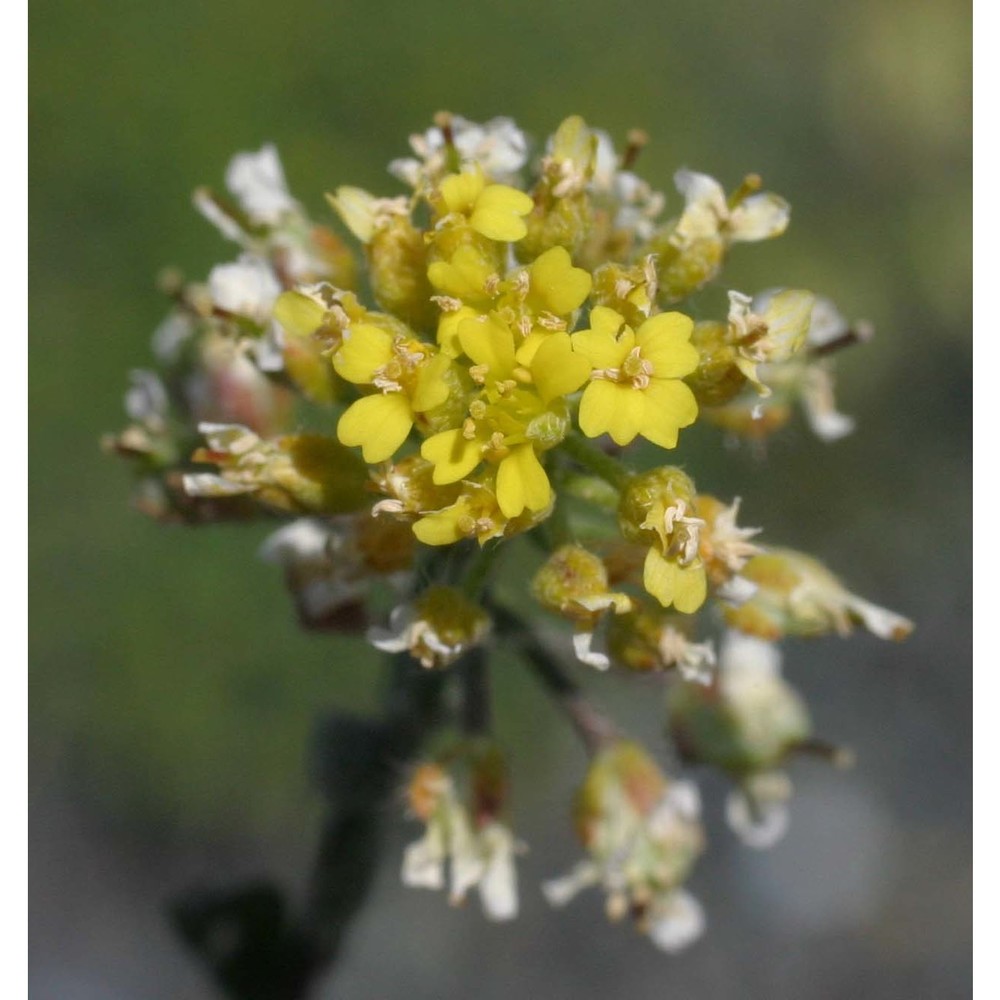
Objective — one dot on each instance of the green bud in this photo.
(397, 259)
(647, 496)
(717, 379)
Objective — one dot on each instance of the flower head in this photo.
(465, 844)
(651, 638)
(658, 509)
(643, 835)
(436, 629)
(797, 595)
(495, 211)
(574, 583)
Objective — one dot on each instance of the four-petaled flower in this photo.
(635, 383)
(409, 376)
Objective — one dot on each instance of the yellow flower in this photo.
(636, 386)
(555, 285)
(475, 514)
(409, 377)
(495, 211)
(467, 275)
(657, 509)
(546, 294)
(512, 416)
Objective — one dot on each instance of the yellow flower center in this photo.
(635, 370)
(684, 532)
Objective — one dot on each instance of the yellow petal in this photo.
(356, 208)
(498, 211)
(447, 331)
(690, 588)
(606, 320)
(598, 348)
(463, 276)
(440, 528)
(380, 424)
(555, 285)
(365, 348)
(659, 577)
(488, 341)
(607, 407)
(529, 346)
(521, 482)
(301, 315)
(432, 389)
(664, 340)
(452, 455)
(670, 405)
(556, 369)
(460, 191)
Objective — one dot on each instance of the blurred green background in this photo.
(171, 693)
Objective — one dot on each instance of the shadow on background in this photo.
(172, 695)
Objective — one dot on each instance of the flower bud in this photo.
(629, 290)
(657, 509)
(646, 497)
(397, 268)
(436, 629)
(717, 379)
(300, 473)
(683, 270)
(651, 639)
(330, 564)
(559, 222)
(574, 583)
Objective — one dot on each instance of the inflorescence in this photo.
(513, 330)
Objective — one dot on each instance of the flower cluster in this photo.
(526, 364)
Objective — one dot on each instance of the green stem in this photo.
(592, 458)
(476, 699)
(477, 573)
(594, 728)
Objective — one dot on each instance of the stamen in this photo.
(636, 139)
(446, 303)
(751, 184)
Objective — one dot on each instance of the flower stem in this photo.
(594, 728)
(478, 570)
(476, 700)
(597, 461)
